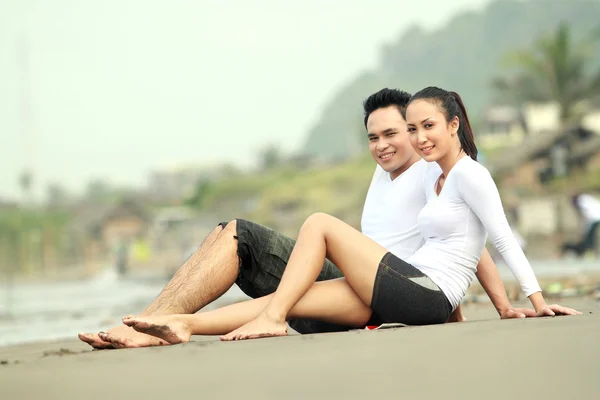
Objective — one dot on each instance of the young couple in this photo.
(426, 218)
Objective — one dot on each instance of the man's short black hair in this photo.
(386, 98)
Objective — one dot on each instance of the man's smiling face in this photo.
(388, 140)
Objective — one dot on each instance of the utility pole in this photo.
(26, 177)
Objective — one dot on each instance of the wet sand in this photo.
(484, 358)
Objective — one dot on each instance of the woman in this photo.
(377, 286)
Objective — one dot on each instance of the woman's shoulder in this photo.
(468, 170)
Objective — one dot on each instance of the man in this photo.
(254, 257)
(588, 208)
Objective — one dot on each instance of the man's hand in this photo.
(517, 313)
(550, 310)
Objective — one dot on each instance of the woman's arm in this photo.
(479, 191)
(488, 276)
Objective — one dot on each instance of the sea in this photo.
(47, 311)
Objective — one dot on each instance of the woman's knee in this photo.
(318, 220)
(364, 316)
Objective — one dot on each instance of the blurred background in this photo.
(129, 129)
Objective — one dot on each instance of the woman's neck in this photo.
(449, 161)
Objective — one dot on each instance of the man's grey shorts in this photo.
(263, 255)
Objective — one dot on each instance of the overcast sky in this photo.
(118, 88)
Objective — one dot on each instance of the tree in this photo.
(56, 195)
(26, 183)
(98, 191)
(556, 68)
(270, 157)
(200, 194)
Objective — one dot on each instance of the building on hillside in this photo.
(8, 205)
(110, 224)
(591, 121)
(502, 126)
(506, 126)
(172, 186)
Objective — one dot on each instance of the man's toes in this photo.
(137, 324)
(141, 326)
(85, 337)
(116, 341)
(95, 341)
(103, 346)
(128, 318)
(89, 338)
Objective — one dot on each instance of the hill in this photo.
(463, 56)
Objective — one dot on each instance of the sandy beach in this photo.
(484, 358)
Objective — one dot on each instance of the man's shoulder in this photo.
(377, 174)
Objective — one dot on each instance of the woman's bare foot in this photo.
(456, 318)
(119, 337)
(170, 328)
(260, 327)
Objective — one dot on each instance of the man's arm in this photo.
(488, 276)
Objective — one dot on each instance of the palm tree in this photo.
(555, 68)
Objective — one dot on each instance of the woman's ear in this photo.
(454, 125)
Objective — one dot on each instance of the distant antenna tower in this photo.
(26, 176)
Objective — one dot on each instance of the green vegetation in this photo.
(25, 233)
(283, 197)
(555, 68)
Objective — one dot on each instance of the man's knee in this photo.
(231, 228)
(215, 232)
(227, 230)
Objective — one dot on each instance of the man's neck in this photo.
(405, 167)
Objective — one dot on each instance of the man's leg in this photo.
(589, 241)
(203, 278)
(571, 247)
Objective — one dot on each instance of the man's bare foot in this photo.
(118, 338)
(94, 340)
(260, 327)
(170, 328)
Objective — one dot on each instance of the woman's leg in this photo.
(321, 236)
(332, 301)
